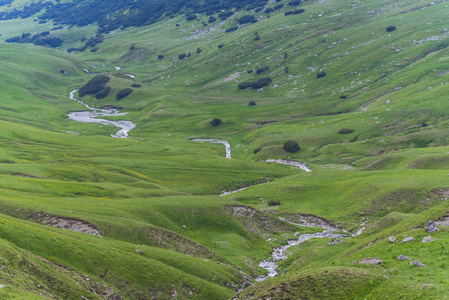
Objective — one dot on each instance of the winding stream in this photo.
(280, 253)
(295, 163)
(215, 141)
(91, 116)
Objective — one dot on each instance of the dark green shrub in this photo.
(343, 97)
(160, 56)
(285, 55)
(261, 83)
(279, 6)
(103, 93)
(391, 28)
(346, 130)
(191, 17)
(320, 74)
(212, 19)
(294, 3)
(287, 13)
(220, 46)
(257, 150)
(188, 55)
(224, 15)
(250, 71)
(286, 70)
(274, 202)
(252, 103)
(258, 9)
(198, 50)
(123, 93)
(298, 11)
(232, 28)
(215, 122)
(269, 10)
(261, 70)
(182, 56)
(246, 19)
(136, 85)
(94, 85)
(257, 38)
(245, 85)
(291, 146)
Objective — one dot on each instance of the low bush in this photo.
(320, 74)
(343, 97)
(269, 10)
(220, 46)
(224, 15)
(103, 93)
(261, 70)
(245, 85)
(136, 85)
(391, 28)
(279, 6)
(286, 70)
(94, 85)
(298, 11)
(246, 19)
(212, 19)
(291, 146)
(198, 50)
(123, 93)
(294, 3)
(346, 130)
(257, 38)
(252, 103)
(215, 122)
(250, 71)
(274, 202)
(160, 56)
(261, 83)
(191, 17)
(231, 29)
(258, 9)
(257, 150)
(182, 56)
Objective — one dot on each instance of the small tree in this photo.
(274, 202)
(215, 122)
(391, 28)
(346, 130)
(291, 146)
(320, 74)
(252, 103)
(198, 50)
(182, 56)
(286, 70)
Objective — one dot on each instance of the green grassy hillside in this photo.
(161, 229)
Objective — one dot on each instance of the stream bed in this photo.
(215, 141)
(92, 116)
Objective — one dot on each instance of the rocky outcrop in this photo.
(71, 224)
(408, 239)
(431, 227)
(403, 257)
(417, 263)
(371, 261)
(392, 239)
(427, 239)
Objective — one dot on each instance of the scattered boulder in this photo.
(427, 285)
(371, 261)
(392, 239)
(431, 227)
(408, 239)
(427, 239)
(417, 263)
(403, 257)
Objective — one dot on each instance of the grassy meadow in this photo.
(154, 197)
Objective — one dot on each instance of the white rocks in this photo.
(417, 263)
(403, 257)
(427, 285)
(371, 261)
(427, 239)
(392, 239)
(214, 141)
(408, 239)
(431, 227)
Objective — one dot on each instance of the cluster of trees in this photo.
(91, 42)
(93, 86)
(39, 39)
(114, 14)
(26, 12)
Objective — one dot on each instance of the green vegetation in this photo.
(291, 146)
(154, 197)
